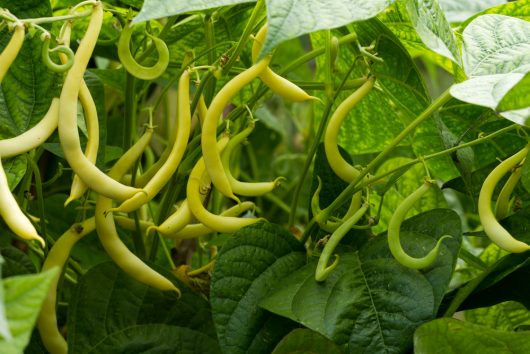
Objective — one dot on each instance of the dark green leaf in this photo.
(248, 264)
(370, 302)
(107, 301)
(305, 341)
(156, 338)
(448, 335)
(16, 262)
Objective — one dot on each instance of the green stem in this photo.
(244, 37)
(347, 192)
(465, 291)
(42, 20)
(130, 120)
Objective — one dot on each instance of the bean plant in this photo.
(270, 176)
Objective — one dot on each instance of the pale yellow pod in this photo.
(33, 137)
(15, 219)
(10, 52)
(275, 82)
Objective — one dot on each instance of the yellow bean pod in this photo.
(10, 52)
(34, 136)
(211, 156)
(498, 234)
(275, 82)
(502, 206)
(50, 335)
(68, 134)
(12, 215)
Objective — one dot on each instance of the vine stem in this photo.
(347, 192)
(42, 20)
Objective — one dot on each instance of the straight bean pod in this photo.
(10, 52)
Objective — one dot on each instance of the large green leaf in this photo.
(431, 25)
(23, 297)
(518, 97)
(448, 335)
(305, 341)
(370, 302)
(458, 11)
(157, 9)
(156, 338)
(496, 56)
(248, 264)
(5, 333)
(16, 262)
(292, 18)
(519, 9)
(28, 87)
(107, 305)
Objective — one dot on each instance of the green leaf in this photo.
(5, 333)
(519, 9)
(15, 169)
(305, 341)
(156, 338)
(370, 302)
(518, 97)
(107, 301)
(248, 264)
(153, 9)
(489, 90)
(431, 25)
(448, 335)
(458, 11)
(496, 44)
(16, 262)
(506, 316)
(292, 18)
(23, 297)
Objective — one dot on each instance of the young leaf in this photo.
(370, 302)
(291, 18)
(248, 264)
(153, 9)
(458, 11)
(506, 316)
(448, 335)
(431, 25)
(23, 297)
(107, 303)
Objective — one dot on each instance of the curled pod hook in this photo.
(132, 66)
(62, 49)
(394, 227)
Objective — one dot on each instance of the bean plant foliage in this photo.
(270, 176)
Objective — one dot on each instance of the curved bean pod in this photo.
(34, 136)
(393, 233)
(199, 181)
(78, 187)
(11, 213)
(57, 257)
(176, 221)
(165, 172)
(68, 54)
(211, 156)
(132, 66)
(108, 235)
(249, 189)
(502, 206)
(198, 230)
(10, 52)
(498, 234)
(322, 271)
(341, 167)
(68, 135)
(275, 82)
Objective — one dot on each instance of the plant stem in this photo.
(347, 192)
(41, 20)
